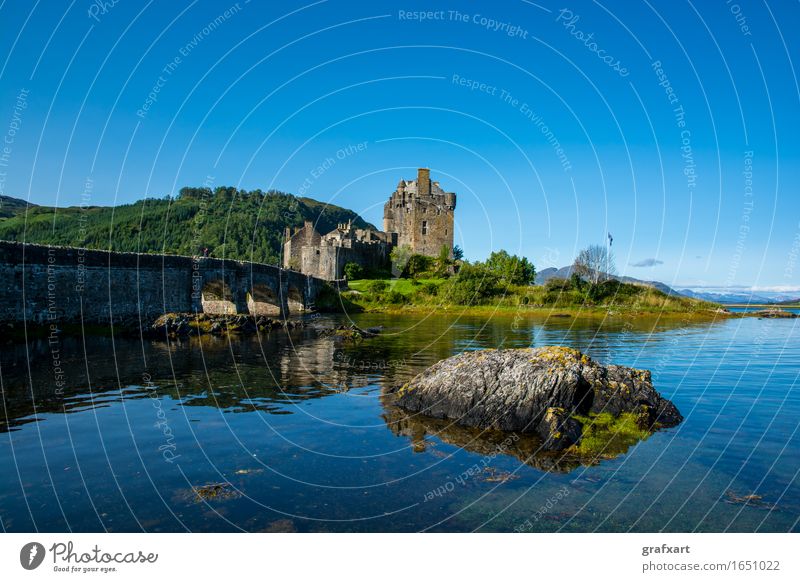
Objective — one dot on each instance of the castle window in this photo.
(424, 227)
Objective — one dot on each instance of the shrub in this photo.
(353, 271)
(429, 289)
(557, 284)
(378, 286)
(610, 290)
(473, 285)
(418, 265)
(330, 300)
(395, 298)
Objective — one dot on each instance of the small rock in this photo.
(751, 500)
(214, 491)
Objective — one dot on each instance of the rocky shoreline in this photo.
(175, 325)
(184, 325)
(774, 313)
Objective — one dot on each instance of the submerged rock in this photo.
(552, 392)
(751, 500)
(350, 333)
(215, 491)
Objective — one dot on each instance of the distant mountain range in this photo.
(743, 296)
(565, 273)
(231, 223)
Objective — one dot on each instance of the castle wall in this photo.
(311, 262)
(328, 261)
(294, 243)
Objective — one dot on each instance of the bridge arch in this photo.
(294, 299)
(263, 300)
(217, 297)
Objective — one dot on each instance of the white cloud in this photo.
(647, 263)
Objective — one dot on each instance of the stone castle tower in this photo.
(421, 214)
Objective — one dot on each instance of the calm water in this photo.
(296, 426)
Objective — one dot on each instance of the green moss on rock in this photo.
(606, 436)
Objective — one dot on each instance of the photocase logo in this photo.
(31, 555)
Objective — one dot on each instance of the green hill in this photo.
(12, 206)
(232, 223)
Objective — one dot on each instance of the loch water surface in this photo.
(288, 431)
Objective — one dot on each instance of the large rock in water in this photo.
(535, 390)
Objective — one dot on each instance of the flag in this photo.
(610, 239)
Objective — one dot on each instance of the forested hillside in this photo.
(231, 223)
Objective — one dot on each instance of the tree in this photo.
(242, 227)
(418, 265)
(510, 269)
(594, 263)
(353, 271)
(472, 286)
(576, 282)
(400, 257)
(443, 261)
(458, 253)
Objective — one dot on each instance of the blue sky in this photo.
(673, 125)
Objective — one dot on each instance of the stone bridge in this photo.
(42, 284)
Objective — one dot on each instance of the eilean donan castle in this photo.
(418, 214)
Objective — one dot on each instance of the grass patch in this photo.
(606, 436)
(607, 297)
(377, 294)
(403, 286)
